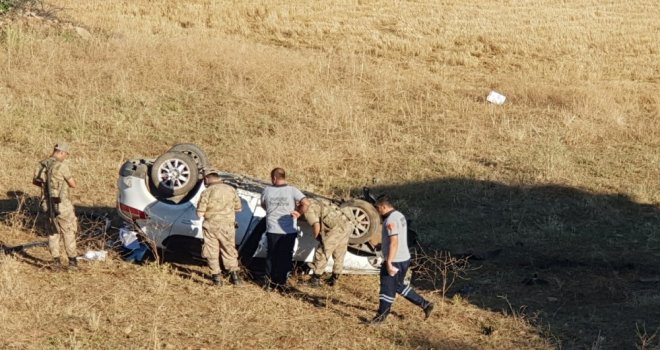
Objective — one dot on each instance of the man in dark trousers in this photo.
(284, 204)
(396, 264)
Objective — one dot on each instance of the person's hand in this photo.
(391, 270)
(295, 214)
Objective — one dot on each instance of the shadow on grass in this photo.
(418, 341)
(591, 257)
(32, 260)
(322, 298)
(23, 211)
(550, 224)
(584, 265)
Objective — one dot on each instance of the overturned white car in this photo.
(159, 197)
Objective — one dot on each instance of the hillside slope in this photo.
(562, 179)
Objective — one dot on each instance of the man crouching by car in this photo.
(218, 206)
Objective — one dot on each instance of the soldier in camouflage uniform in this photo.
(218, 206)
(54, 177)
(331, 226)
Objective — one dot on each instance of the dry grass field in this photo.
(563, 179)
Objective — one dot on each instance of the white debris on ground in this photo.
(95, 255)
(496, 98)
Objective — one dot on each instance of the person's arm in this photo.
(237, 202)
(391, 253)
(66, 174)
(263, 201)
(313, 219)
(37, 177)
(316, 228)
(393, 235)
(201, 205)
(302, 207)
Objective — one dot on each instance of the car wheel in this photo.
(196, 153)
(366, 220)
(174, 174)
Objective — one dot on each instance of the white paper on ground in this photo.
(496, 98)
(95, 255)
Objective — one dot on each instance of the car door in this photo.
(186, 223)
(250, 215)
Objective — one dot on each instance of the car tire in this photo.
(196, 153)
(174, 174)
(366, 219)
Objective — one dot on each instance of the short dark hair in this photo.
(384, 200)
(278, 173)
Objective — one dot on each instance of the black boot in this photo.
(333, 280)
(428, 309)
(235, 278)
(73, 263)
(217, 280)
(315, 281)
(377, 320)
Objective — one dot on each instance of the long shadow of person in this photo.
(26, 257)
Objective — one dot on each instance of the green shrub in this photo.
(6, 5)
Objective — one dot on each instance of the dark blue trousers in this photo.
(280, 256)
(391, 285)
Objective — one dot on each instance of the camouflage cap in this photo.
(210, 171)
(61, 146)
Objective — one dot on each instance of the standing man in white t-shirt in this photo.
(396, 264)
(284, 204)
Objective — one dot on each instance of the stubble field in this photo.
(562, 180)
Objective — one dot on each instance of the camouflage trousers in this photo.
(220, 241)
(334, 243)
(66, 225)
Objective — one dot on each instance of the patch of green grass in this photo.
(7, 5)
